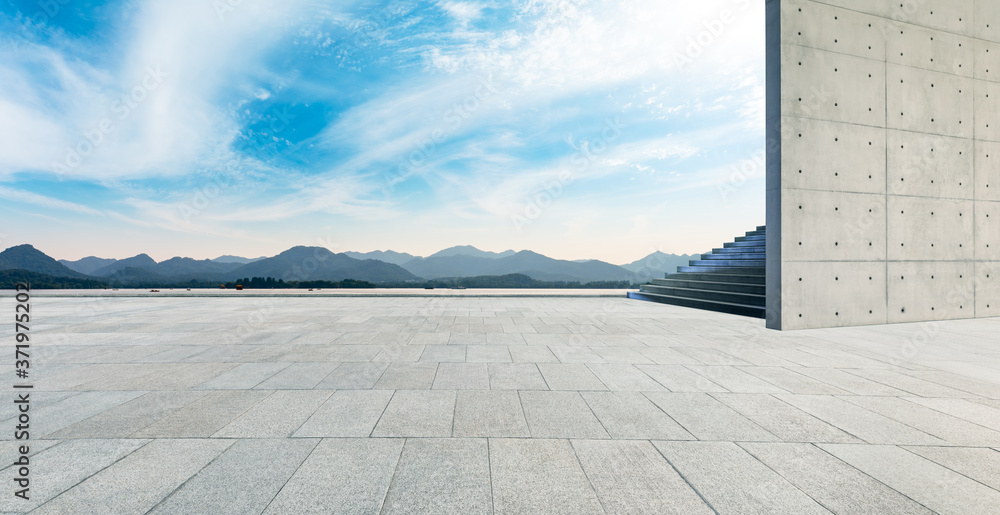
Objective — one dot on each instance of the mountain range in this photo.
(316, 263)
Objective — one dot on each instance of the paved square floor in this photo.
(498, 405)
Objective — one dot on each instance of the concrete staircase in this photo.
(730, 279)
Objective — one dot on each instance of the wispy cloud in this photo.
(452, 113)
(27, 197)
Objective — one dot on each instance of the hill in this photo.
(26, 257)
(88, 264)
(10, 278)
(469, 250)
(194, 269)
(659, 263)
(386, 256)
(317, 263)
(141, 261)
(525, 262)
(236, 259)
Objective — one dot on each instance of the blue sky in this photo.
(578, 129)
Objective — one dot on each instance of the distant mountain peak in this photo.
(228, 258)
(27, 257)
(469, 250)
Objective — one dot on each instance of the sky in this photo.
(579, 129)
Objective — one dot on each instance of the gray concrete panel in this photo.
(883, 125)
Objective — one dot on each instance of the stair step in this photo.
(733, 270)
(723, 307)
(746, 244)
(757, 249)
(716, 277)
(744, 263)
(757, 256)
(684, 282)
(730, 279)
(712, 295)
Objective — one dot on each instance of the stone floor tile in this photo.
(407, 376)
(529, 354)
(787, 422)
(277, 416)
(462, 376)
(203, 417)
(677, 378)
(490, 353)
(417, 413)
(708, 419)
(836, 485)
(735, 379)
(934, 486)
(443, 354)
(624, 378)
(341, 476)
(57, 468)
(127, 418)
(793, 382)
(570, 376)
(630, 415)
(866, 425)
(353, 376)
(633, 478)
(516, 376)
(49, 419)
(298, 376)
(262, 466)
(980, 464)
(732, 481)
(974, 412)
(347, 413)
(483, 413)
(540, 477)
(435, 476)
(560, 415)
(946, 427)
(136, 483)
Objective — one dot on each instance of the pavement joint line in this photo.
(81, 481)
(590, 482)
(873, 478)
(384, 408)
(290, 476)
(192, 476)
(392, 480)
(906, 448)
(683, 477)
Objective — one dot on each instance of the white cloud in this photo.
(462, 12)
(27, 197)
(158, 101)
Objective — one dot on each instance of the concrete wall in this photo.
(883, 190)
